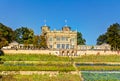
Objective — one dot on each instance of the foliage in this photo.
(24, 35)
(101, 76)
(36, 40)
(113, 34)
(43, 43)
(80, 40)
(102, 39)
(112, 37)
(6, 35)
(3, 42)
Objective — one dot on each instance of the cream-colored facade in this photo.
(60, 39)
(95, 47)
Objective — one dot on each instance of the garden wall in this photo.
(30, 52)
(57, 52)
(97, 52)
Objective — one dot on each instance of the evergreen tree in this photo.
(111, 37)
(102, 39)
(80, 40)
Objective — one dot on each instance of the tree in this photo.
(43, 43)
(3, 41)
(24, 35)
(80, 40)
(36, 40)
(113, 36)
(6, 35)
(102, 39)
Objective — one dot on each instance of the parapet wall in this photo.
(57, 52)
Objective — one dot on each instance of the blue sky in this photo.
(90, 17)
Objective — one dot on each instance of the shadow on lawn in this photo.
(1, 53)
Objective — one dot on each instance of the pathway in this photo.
(78, 72)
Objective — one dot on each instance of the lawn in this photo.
(43, 57)
(98, 58)
(33, 57)
(46, 77)
(99, 68)
(36, 66)
(40, 62)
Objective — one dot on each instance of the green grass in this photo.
(32, 57)
(40, 66)
(27, 62)
(99, 68)
(98, 58)
(38, 62)
(59, 77)
(101, 76)
(37, 68)
(39, 57)
(35, 63)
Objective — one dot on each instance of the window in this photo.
(63, 38)
(72, 40)
(66, 38)
(63, 46)
(58, 46)
(72, 46)
(50, 46)
(58, 38)
(50, 39)
(67, 46)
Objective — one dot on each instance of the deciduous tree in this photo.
(24, 35)
(43, 43)
(36, 40)
(6, 35)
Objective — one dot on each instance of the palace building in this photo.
(63, 42)
(60, 39)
